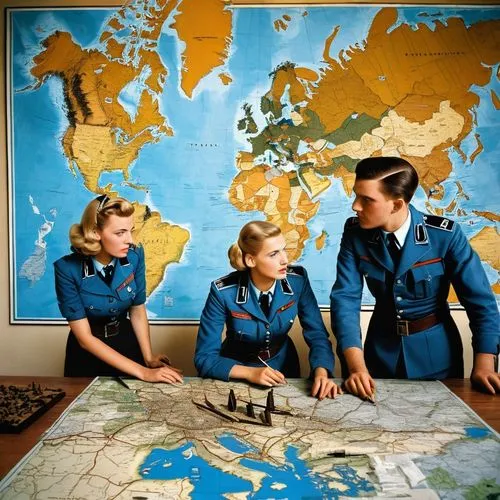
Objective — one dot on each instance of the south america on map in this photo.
(206, 116)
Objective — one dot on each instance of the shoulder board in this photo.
(297, 270)
(351, 222)
(439, 222)
(228, 280)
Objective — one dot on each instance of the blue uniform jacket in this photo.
(81, 293)
(231, 303)
(435, 254)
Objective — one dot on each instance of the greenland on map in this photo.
(207, 116)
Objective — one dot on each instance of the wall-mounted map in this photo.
(207, 116)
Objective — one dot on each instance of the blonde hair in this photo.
(96, 213)
(250, 240)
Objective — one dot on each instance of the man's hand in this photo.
(360, 384)
(484, 375)
(324, 387)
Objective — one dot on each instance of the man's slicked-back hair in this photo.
(398, 178)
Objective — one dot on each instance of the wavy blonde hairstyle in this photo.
(82, 236)
(250, 240)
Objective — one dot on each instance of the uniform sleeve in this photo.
(140, 278)
(68, 295)
(315, 334)
(345, 298)
(474, 292)
(207, 358)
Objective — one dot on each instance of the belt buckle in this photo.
(264, 354)
(402, 327)
(113, 329)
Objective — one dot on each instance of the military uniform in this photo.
(82, 293)
(411, 332)
(251, 334)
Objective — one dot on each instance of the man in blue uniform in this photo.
(408, 260)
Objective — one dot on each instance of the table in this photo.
(14, 446)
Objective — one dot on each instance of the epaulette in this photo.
(228, 280)
(298, 270)
(351, 222)
(439, 222)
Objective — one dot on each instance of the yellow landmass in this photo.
(381, 74)
(163, 244)
(314, 183)
(486, 243)
(347, 177)
(244, 160)
(281, 199)
(205, 27)
(321, 240)
(94, 149)
(306, 74)
(280, 25)
(286, 17)
(451, 207)
(496, 288)
(494, 99)
(487, 215)
(225, 78)
(94, 113)
(478, 149)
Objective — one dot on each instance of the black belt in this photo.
(105, 329)
(407, 327)
(249, 353)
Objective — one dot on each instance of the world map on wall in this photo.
(207, 116)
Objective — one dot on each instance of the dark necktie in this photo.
(393, 247)
(107, 272)
(264, 303)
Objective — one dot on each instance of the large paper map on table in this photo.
(152, 442)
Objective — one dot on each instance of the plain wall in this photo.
(39, 350)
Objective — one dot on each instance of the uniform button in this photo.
(400, 311)
(398, 282)
(267, 326)
(129, 289)
(91, 307)
(399, 299)
(429, 278)
(291, 321)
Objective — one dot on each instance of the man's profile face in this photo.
(371, 205)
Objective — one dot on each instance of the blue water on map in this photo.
(181, 463)
(294, 479)
(236, 445)
(477, 432)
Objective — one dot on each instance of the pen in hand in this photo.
(264, 363)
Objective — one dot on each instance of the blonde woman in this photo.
(101, 291)
(258, 304)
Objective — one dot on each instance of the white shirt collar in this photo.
(402, 232)
(258, 292)
(99, 267)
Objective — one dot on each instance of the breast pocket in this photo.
(425, 279)
(374, 276)
(243, 327)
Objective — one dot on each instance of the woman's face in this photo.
(269, 263)
(115, 238)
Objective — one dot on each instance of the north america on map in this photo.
(207, 116)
